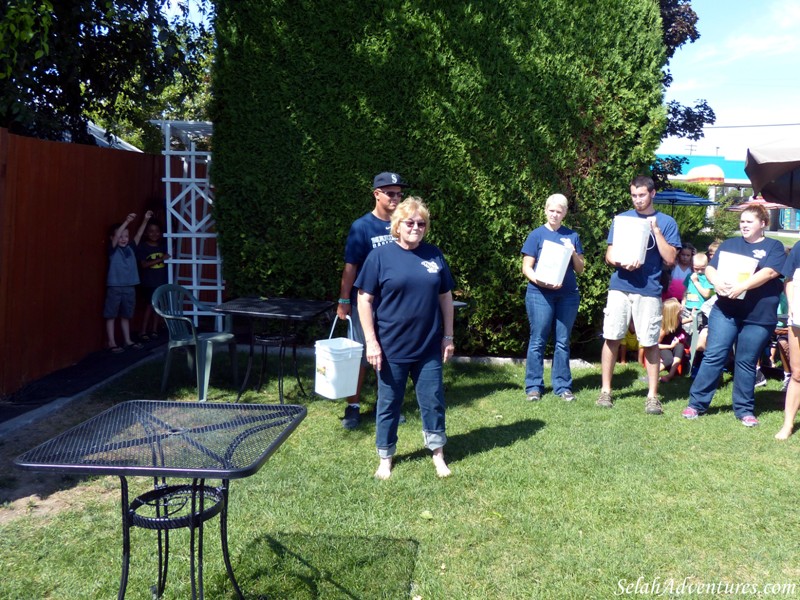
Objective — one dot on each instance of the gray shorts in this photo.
(120, 302)
(645, 311)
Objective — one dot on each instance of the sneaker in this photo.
(785, 384)
(760, 378)
(567, 396)
(690, 413)
(534, 396)
(652, 406)
(605, 400)
(749, 421)
(352, 417)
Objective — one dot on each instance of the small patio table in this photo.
(166, 439)
(287, 310)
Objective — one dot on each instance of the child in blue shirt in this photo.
(123, 277)
(698, 290)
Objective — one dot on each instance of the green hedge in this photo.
(486, 107)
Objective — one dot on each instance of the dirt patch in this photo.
(24, 492)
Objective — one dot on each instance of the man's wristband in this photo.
(344, 300)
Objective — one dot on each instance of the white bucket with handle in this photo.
(337, 365)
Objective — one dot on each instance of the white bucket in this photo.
(337, 365)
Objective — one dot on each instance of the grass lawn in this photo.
(547, 500)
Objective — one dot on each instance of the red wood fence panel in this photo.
(57, 201)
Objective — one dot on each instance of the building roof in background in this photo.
(732, 170)
(111, 141)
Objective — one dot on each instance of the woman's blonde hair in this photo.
(559, 200)
(407, 208)
(670, 312)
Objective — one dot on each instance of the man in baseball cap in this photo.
(367, 232)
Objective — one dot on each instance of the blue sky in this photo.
(746, 64)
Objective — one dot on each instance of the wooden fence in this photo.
(57, 202)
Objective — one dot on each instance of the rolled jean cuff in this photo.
(387, 452)
(434, 439)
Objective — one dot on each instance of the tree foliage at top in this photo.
(679, 26)
(64, 61)
(486, 107)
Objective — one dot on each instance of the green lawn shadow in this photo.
(310, 566)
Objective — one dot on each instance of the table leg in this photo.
(249, 359)
(126, 538)
(163, 546)
(223, 530)
(196, 568)
(296, 372)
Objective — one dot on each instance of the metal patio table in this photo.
(166, 439)
(286, 310)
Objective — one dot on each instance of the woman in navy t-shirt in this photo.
(745, 322)
(551, 305)
(409, 287)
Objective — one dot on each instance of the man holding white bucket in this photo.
(366, 233)
(635, 289)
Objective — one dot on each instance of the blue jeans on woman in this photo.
(543, 310)
(750, 340)
(426, 374)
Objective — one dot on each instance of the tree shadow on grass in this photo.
(484, 439)
(299, 565)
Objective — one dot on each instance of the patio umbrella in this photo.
(756, 201)
(678, 197)
(774, 171)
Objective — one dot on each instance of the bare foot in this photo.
(784, 434)
(384, 469)
(442, 469)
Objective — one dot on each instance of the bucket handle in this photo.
(350, 329)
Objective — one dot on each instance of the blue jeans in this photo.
(427, 377)
(543, 310)
(750, 342)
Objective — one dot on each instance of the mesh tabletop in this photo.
(296, 309)
(158, 438)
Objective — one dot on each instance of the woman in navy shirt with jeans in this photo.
(548, 305)
(409, 287)
(746, 323)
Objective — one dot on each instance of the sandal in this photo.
(154, 335)
(144, 337)
(135, 346)
(116, 350)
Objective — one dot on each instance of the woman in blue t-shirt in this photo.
(549, 304)
(409, 287)
(745, 322)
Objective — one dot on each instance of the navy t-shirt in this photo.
(646, 280)
(760, 305)
(366, 233)
(533, 247)
(792, 263)
(406, 285)
(155, 276)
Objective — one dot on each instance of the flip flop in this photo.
(116, 350)
(144, 337)
(135, 346)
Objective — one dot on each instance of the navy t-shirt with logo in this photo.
(760, 305)
(366, 234)
(406, 285)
